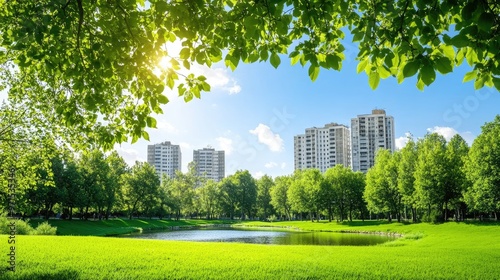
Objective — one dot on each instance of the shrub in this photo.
(45, 229)
(24, 228)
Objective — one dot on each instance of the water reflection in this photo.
(267, 236)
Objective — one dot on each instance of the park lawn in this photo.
(118, 226)
(446, 251)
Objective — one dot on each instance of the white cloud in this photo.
(166, 127)
(225, 144)
(258, 174)
(266, 136)
(446, 132)
(217, 77)
(283, 165)
(235, 88)
(185, 145)
(402, 141)
(271, 164)
(449, 132)
(468, 137)
(130, 155)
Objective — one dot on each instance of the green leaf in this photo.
(469, 10)
(411, 68)
(428, 74)
(313, 72)
(420, 84)
(448, 51)
(134, 138)
(231, 61)
(162, 99)
(486, 21)
(470, 76)
(264, 55)
(151, 122)
(145, 135)
(186, 64)
(479, 83)
(196, 92)
(185, 53)
(200, 58)
(460, 41)
(496, 82)
(275, 60)
(384, 73)
(362, 65)
(471, 56)
(358, 36)
(295, 56)
(332, 61)
(373, 79)
(205, 86)
(444, 65)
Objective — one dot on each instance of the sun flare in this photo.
(165, 64)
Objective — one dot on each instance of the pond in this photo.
(266, 236)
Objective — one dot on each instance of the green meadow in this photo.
(426, 251)
(120, 226)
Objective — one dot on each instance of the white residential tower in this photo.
(369, 133)
(210, 163)
(165, 157)
(323, 147)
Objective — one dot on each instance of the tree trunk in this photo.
(70, 213)
(445, 211)
(86, 212)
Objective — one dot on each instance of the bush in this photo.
(45, 229)
(23, 228)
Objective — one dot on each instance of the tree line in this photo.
(432, 179)
(429, 179)
(100, 186)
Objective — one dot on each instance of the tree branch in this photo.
(79, 31)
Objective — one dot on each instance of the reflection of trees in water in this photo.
(271, 237)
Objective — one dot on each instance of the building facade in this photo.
(165, 157)
(210, 164)
(369, 133)
(323, 147)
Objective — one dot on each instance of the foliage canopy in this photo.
(94, 64)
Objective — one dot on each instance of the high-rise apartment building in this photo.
(369, 133)
(165, 157)
(210, 163)
(323, 147)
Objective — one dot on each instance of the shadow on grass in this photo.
(481, 223)
(65, 274)
(364, 223)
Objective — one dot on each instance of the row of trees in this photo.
(434, 179)
(429, 179)
(98, 185)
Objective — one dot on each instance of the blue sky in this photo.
(254, 112)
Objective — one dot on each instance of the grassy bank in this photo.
(118, 226)
(447, 251)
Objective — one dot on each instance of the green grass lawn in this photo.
(118, 226)
(446, 251)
